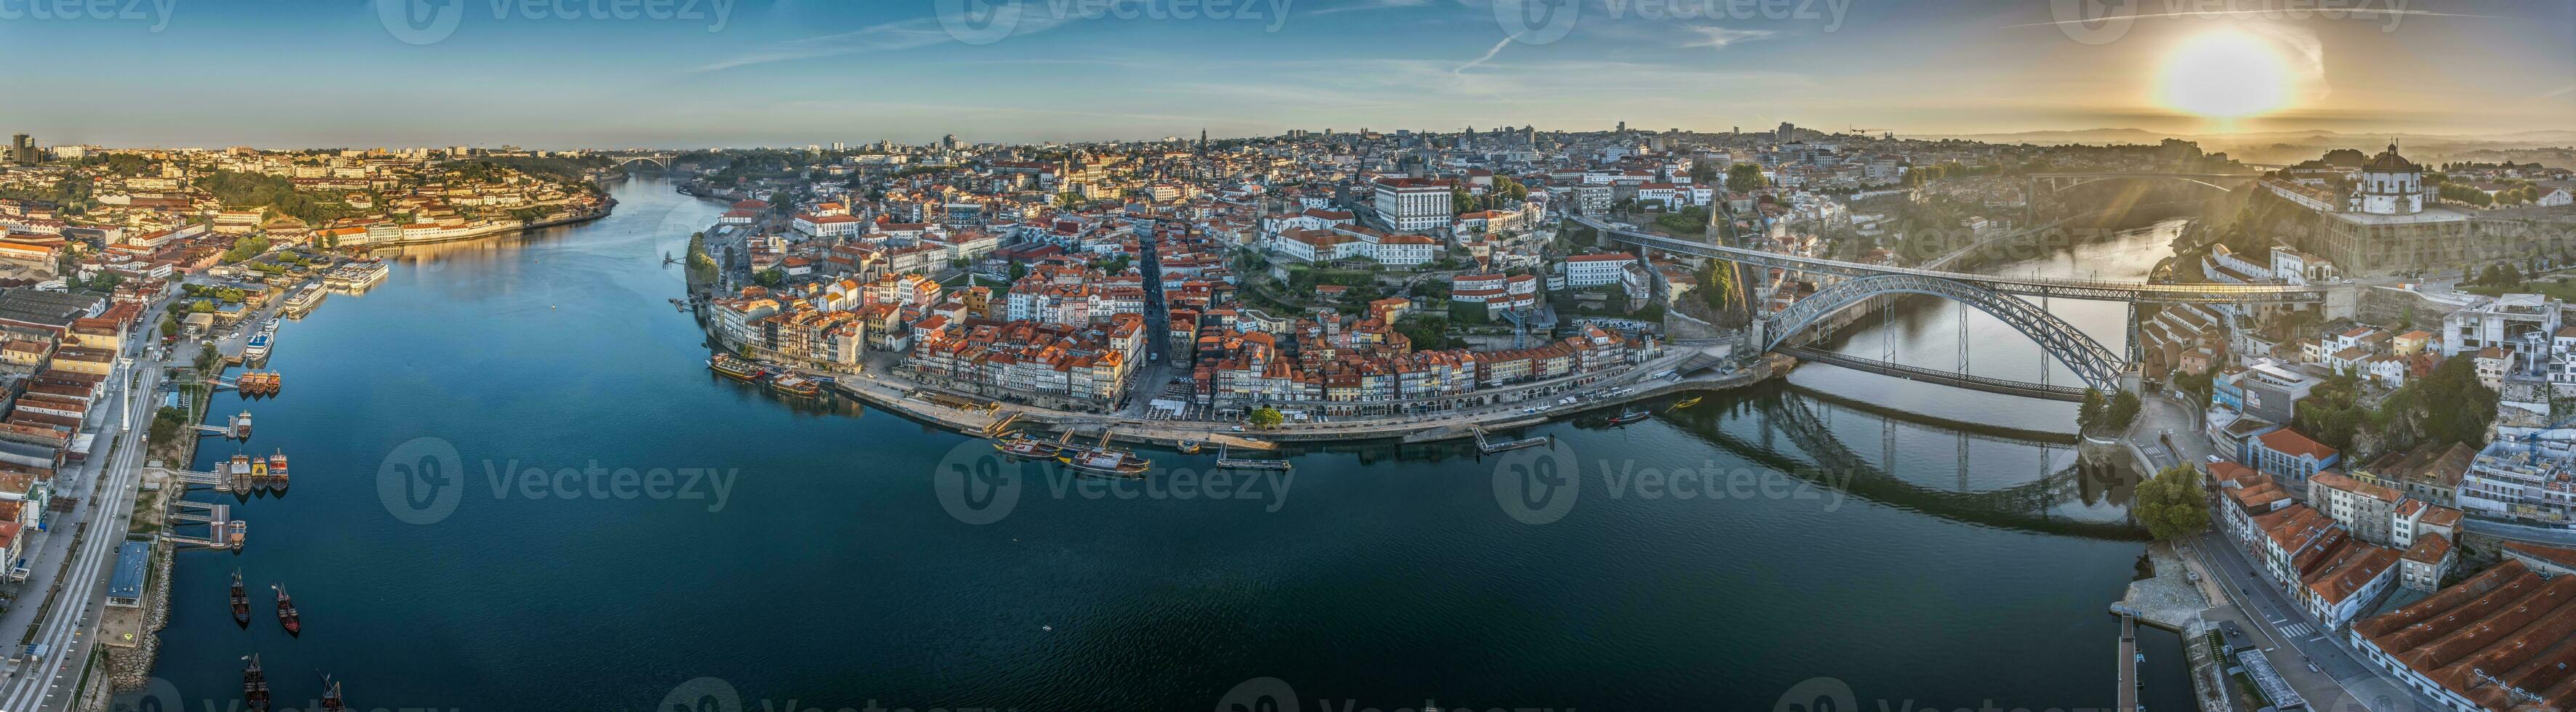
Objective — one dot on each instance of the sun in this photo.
(2224, 74)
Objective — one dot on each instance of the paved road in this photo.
(70, 629)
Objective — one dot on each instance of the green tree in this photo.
(1266, 417)
(2089, 413)
(1745, 177)
(2171, 503)
(1460, 201)
(769, 277)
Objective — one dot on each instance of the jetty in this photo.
(222, 530)
(1489, 447)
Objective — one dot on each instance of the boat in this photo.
(1189, 447)
(331, 696)
(1629, 416)
(241, 426)
(259, 472)
(1237, 463)
(241, 601)
(254, 686)
(286, 614)
(796, 385)
(1027, 448)
(1102, 459)
(238, 531)
(257, 348)
(277, 469)
(239, 474)
(1685, 403)
(735, 368)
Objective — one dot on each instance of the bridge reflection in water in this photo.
(2000, 477)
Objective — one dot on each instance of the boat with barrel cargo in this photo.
(735, 368)
(241, 426)
(1629, 416)
(331, 696)
(254, 686)
(286, 613)
(238, 472)
(1102, 459)
(1028, 448)
(277, 469)
(796, 385)
(241, 601)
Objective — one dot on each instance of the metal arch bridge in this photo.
(663, 160)
(2098, 366)
(1997, 295)
(2061, 181)
(2057, 287)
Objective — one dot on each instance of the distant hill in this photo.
(2321, 137)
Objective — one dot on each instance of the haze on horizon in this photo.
(799, 72)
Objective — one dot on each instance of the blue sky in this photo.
(686, 73)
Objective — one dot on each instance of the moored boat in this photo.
(254, 686)
(277, 469)
(1240, 463)
(1686, 402)
(735, 368)
(331, 696)
(1190, 447)
(796, 385)
(1105, 461)
(1629, 416)
(286, 613)
(1028, 448)
(241, 601)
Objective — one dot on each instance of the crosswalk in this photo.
(2295, 630)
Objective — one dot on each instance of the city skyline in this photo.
(801, 73)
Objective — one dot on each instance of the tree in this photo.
(1266, 417)
(2090, 412)
(1460, 201)
(2123, 410)
(1745, 178)
(2171, 503)
(769, 277)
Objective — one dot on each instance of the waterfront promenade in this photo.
(907, 398)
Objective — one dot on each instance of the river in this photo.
(763, 554)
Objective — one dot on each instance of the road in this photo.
(2254, 602)
(69, 630)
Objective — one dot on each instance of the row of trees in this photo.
(2113, 413)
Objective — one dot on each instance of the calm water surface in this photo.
(1911, 558)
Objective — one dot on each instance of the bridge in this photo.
(2055, 182)
(662, 160)
(2001, 296)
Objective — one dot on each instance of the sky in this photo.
(709, 73)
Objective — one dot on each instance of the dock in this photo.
(1490, 447)
(222, 530)
(2128, 694)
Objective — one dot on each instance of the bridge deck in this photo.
(1974, 383)
(2094, 289)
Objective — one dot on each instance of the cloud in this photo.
(2269, 13)
(1489, 54)
(900, 35)
(1713, 36)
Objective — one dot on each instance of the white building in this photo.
(1414, 204)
